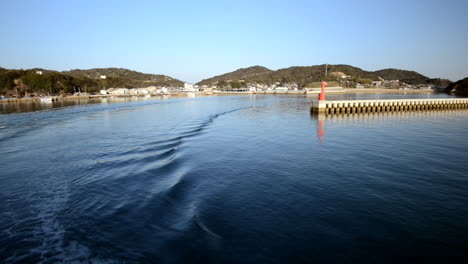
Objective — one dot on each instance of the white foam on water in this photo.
(51, 233)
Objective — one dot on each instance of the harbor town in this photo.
(204, 90)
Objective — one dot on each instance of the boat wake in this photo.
(149, 187)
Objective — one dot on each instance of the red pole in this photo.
(322, 94)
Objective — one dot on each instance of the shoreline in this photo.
(344, 91)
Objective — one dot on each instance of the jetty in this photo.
(387, 105)
(322, 106)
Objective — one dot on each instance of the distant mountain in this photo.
(307, 75)
(437, 82)
(128, 78)
(240, 74)
(45, 81)
(409, 77)
(459, 88)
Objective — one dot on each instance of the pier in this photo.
(388, 105)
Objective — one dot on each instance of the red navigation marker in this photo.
(322, 94)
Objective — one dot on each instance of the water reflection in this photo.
(22, 107)
(6, 108)
(364, 118)
(320, 129)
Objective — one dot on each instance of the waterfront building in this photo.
(281, 89)
(118, 91)
(162, 90)
(139, 91)
(188, 87)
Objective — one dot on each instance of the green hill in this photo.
(29, 81)
(126, 78)
(438, 82)
(240, 74)
(459, 88)
(409, 77)
(307, 75)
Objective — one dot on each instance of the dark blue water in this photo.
(236, 179)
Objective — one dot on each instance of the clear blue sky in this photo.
(192, 40)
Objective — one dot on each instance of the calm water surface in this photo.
(235, 179)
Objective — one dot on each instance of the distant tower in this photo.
(326, 69)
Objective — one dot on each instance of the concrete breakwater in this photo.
(389, 105)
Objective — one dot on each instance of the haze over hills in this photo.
(306, 75)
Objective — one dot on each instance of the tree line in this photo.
(30, 82)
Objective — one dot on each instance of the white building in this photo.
(103, 77)
(39, 72)
(103, 92)
(152, 89)
(189, 87)
(118, 91)
(139, 91)
(163, 90)
(281, 89)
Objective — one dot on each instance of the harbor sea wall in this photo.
(388, 105)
